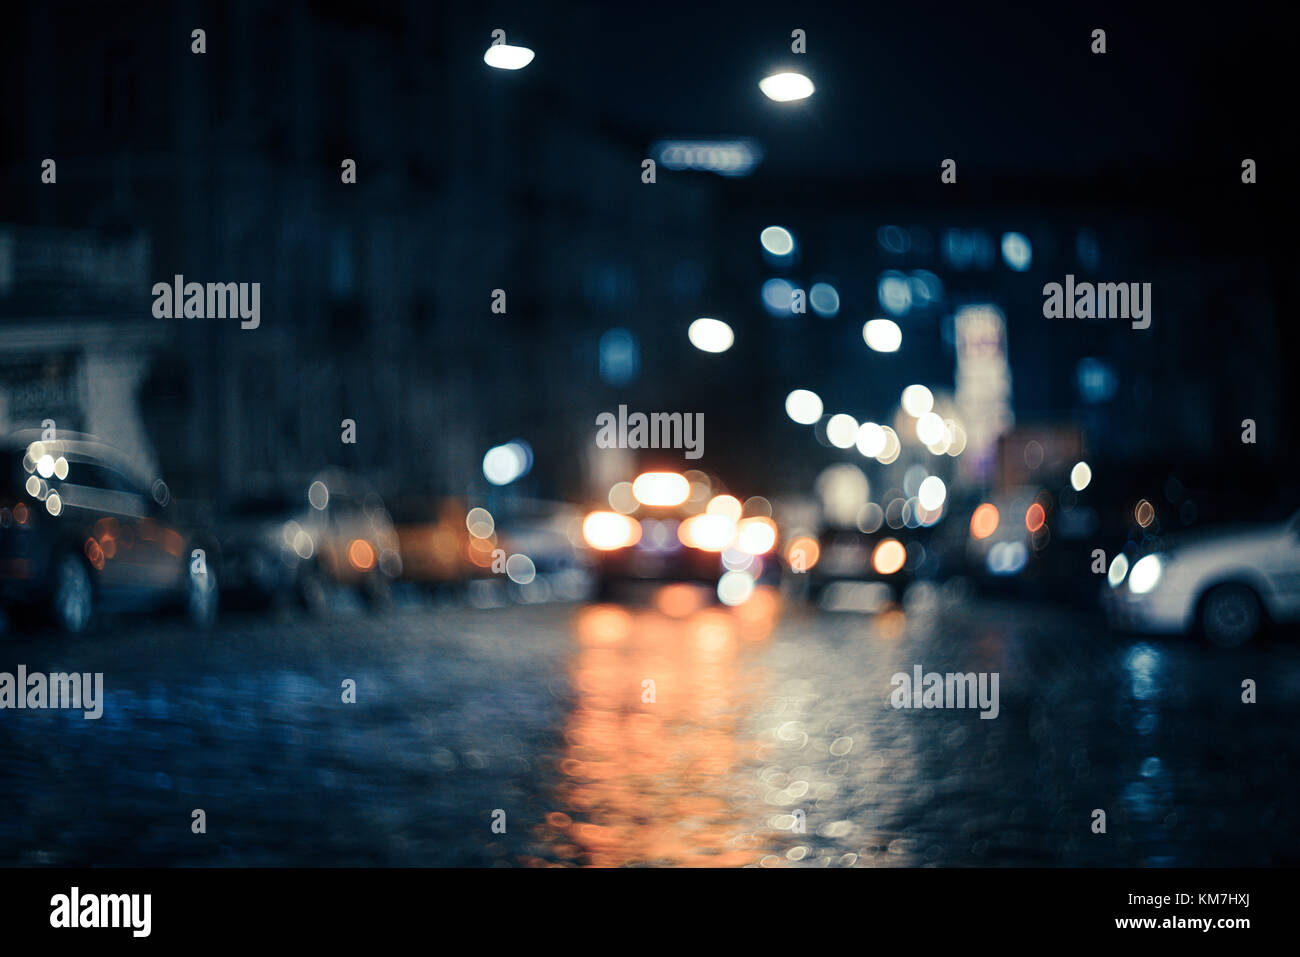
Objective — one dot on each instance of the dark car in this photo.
(84, 529)
(435, 543)
(669, 526)
(333, 533)
(867, 567)
(539, 537)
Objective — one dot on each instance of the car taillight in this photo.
(756, 536)
(607, 531)
(361, 554)
(710, 533)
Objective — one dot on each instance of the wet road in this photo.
(662, 733)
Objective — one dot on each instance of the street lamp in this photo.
(785, 87)
(503, 56)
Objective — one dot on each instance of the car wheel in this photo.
(1230, 615)
(201, 598)
(73, 598)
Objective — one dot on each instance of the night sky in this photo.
(1007, 91)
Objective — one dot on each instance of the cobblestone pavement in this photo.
(659, 733)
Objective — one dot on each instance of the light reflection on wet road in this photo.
(669, 733)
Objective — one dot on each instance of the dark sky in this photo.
(1014, 95)
(1005, 90)
(904, 85)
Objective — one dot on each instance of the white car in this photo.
(1227, 583)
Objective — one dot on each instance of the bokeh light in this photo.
(1035, 517)
(607, 531)
(824, 299)
(888, 557)
(661, 489)
(710, 335)
(1080, 476)
(786, 87)
(842, 430)
(882, 335)
(871, 439)
(777, 240)
(932, 493)
(984, 521)
(503, 56)
(917, 400)
(803, 406)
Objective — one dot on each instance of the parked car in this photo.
(542, 534)
(84, 529)
(670, 526)
(335, 533)
(434, 542)
(888, 560)
(1226, 583)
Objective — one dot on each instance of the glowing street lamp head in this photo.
(785, 87)
(503, 56)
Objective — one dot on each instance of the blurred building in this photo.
(74, 353)
(375, 297)
(1175, 393)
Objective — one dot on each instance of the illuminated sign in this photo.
(983, 386)
(724, 157)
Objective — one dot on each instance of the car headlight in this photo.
(1145, 575)
(608, 531)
